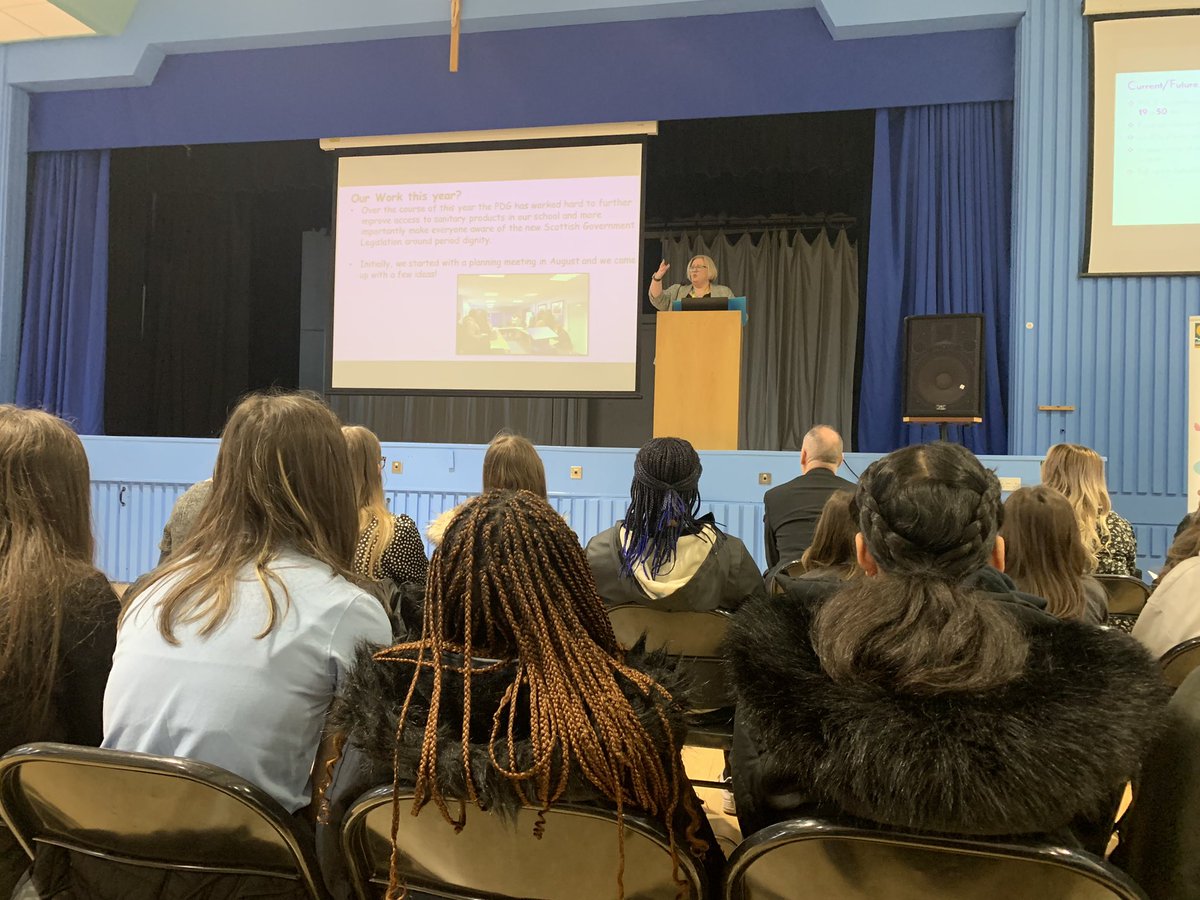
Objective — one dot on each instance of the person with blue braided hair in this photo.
(664, 553)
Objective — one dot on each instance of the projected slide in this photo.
(1145, 179)
(489, 270)
(1156, 162)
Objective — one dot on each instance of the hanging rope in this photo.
(455, 25)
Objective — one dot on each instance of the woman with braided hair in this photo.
(664, 553)
(516, 693)
(930, 695)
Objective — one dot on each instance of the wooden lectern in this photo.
(698, 377)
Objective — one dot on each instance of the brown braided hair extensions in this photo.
(510, 583)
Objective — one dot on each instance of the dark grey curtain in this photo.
(466, 420)
(798, 352)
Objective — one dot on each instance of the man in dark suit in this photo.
(794, 508)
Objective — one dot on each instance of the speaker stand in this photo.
(943, 424)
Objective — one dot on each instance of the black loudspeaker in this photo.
(943, 367)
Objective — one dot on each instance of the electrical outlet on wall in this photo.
(576, 471)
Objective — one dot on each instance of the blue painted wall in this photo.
(749, 64)
(135, 482)
(1115, 348)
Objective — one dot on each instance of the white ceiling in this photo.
(33, 20)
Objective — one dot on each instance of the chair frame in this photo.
(778, 572)
(803, 829)
(1177, 651)
(211, 777)
(1111, 583)
(354, 823)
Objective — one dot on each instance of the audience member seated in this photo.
(183, 517)
(553, 710)
(793, 508)
(58, 618)
(664, 554)
(1160, 844)
(1172, 614)
(1044, 555)
(230, 653)
(511, 463)
(388, 546)
(832, 556)
(905, 698)
(1078, 474)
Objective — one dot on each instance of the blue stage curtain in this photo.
(65, 307)
(939, 243)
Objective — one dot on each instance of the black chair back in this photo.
(1126, 595)
(493, 858)
(1180, 661)
(151, 811)
(694, 637)
(817, 858)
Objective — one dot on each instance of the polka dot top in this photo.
(403, 560)
(1118, 550)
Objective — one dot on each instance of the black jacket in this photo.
(1045, 754)
(792, 511)
(367, 711)
(86, 644)
(725, 580)
(1160, 844)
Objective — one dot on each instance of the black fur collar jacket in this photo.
(1046, 754)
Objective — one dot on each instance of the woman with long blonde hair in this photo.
(231, 651)
(1077, 472)
(388, 546)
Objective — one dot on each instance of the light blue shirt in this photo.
(253, 707)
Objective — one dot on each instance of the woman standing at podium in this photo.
(702, 277)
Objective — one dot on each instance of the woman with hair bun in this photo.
(664, 553)
(913, 698)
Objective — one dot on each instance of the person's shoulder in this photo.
(436, 529)
(782, 490)
(1183, 575)
(603, 538)
(1085, 659)
(405, 523)
(1116, 521)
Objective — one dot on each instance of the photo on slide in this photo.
(523, 314)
